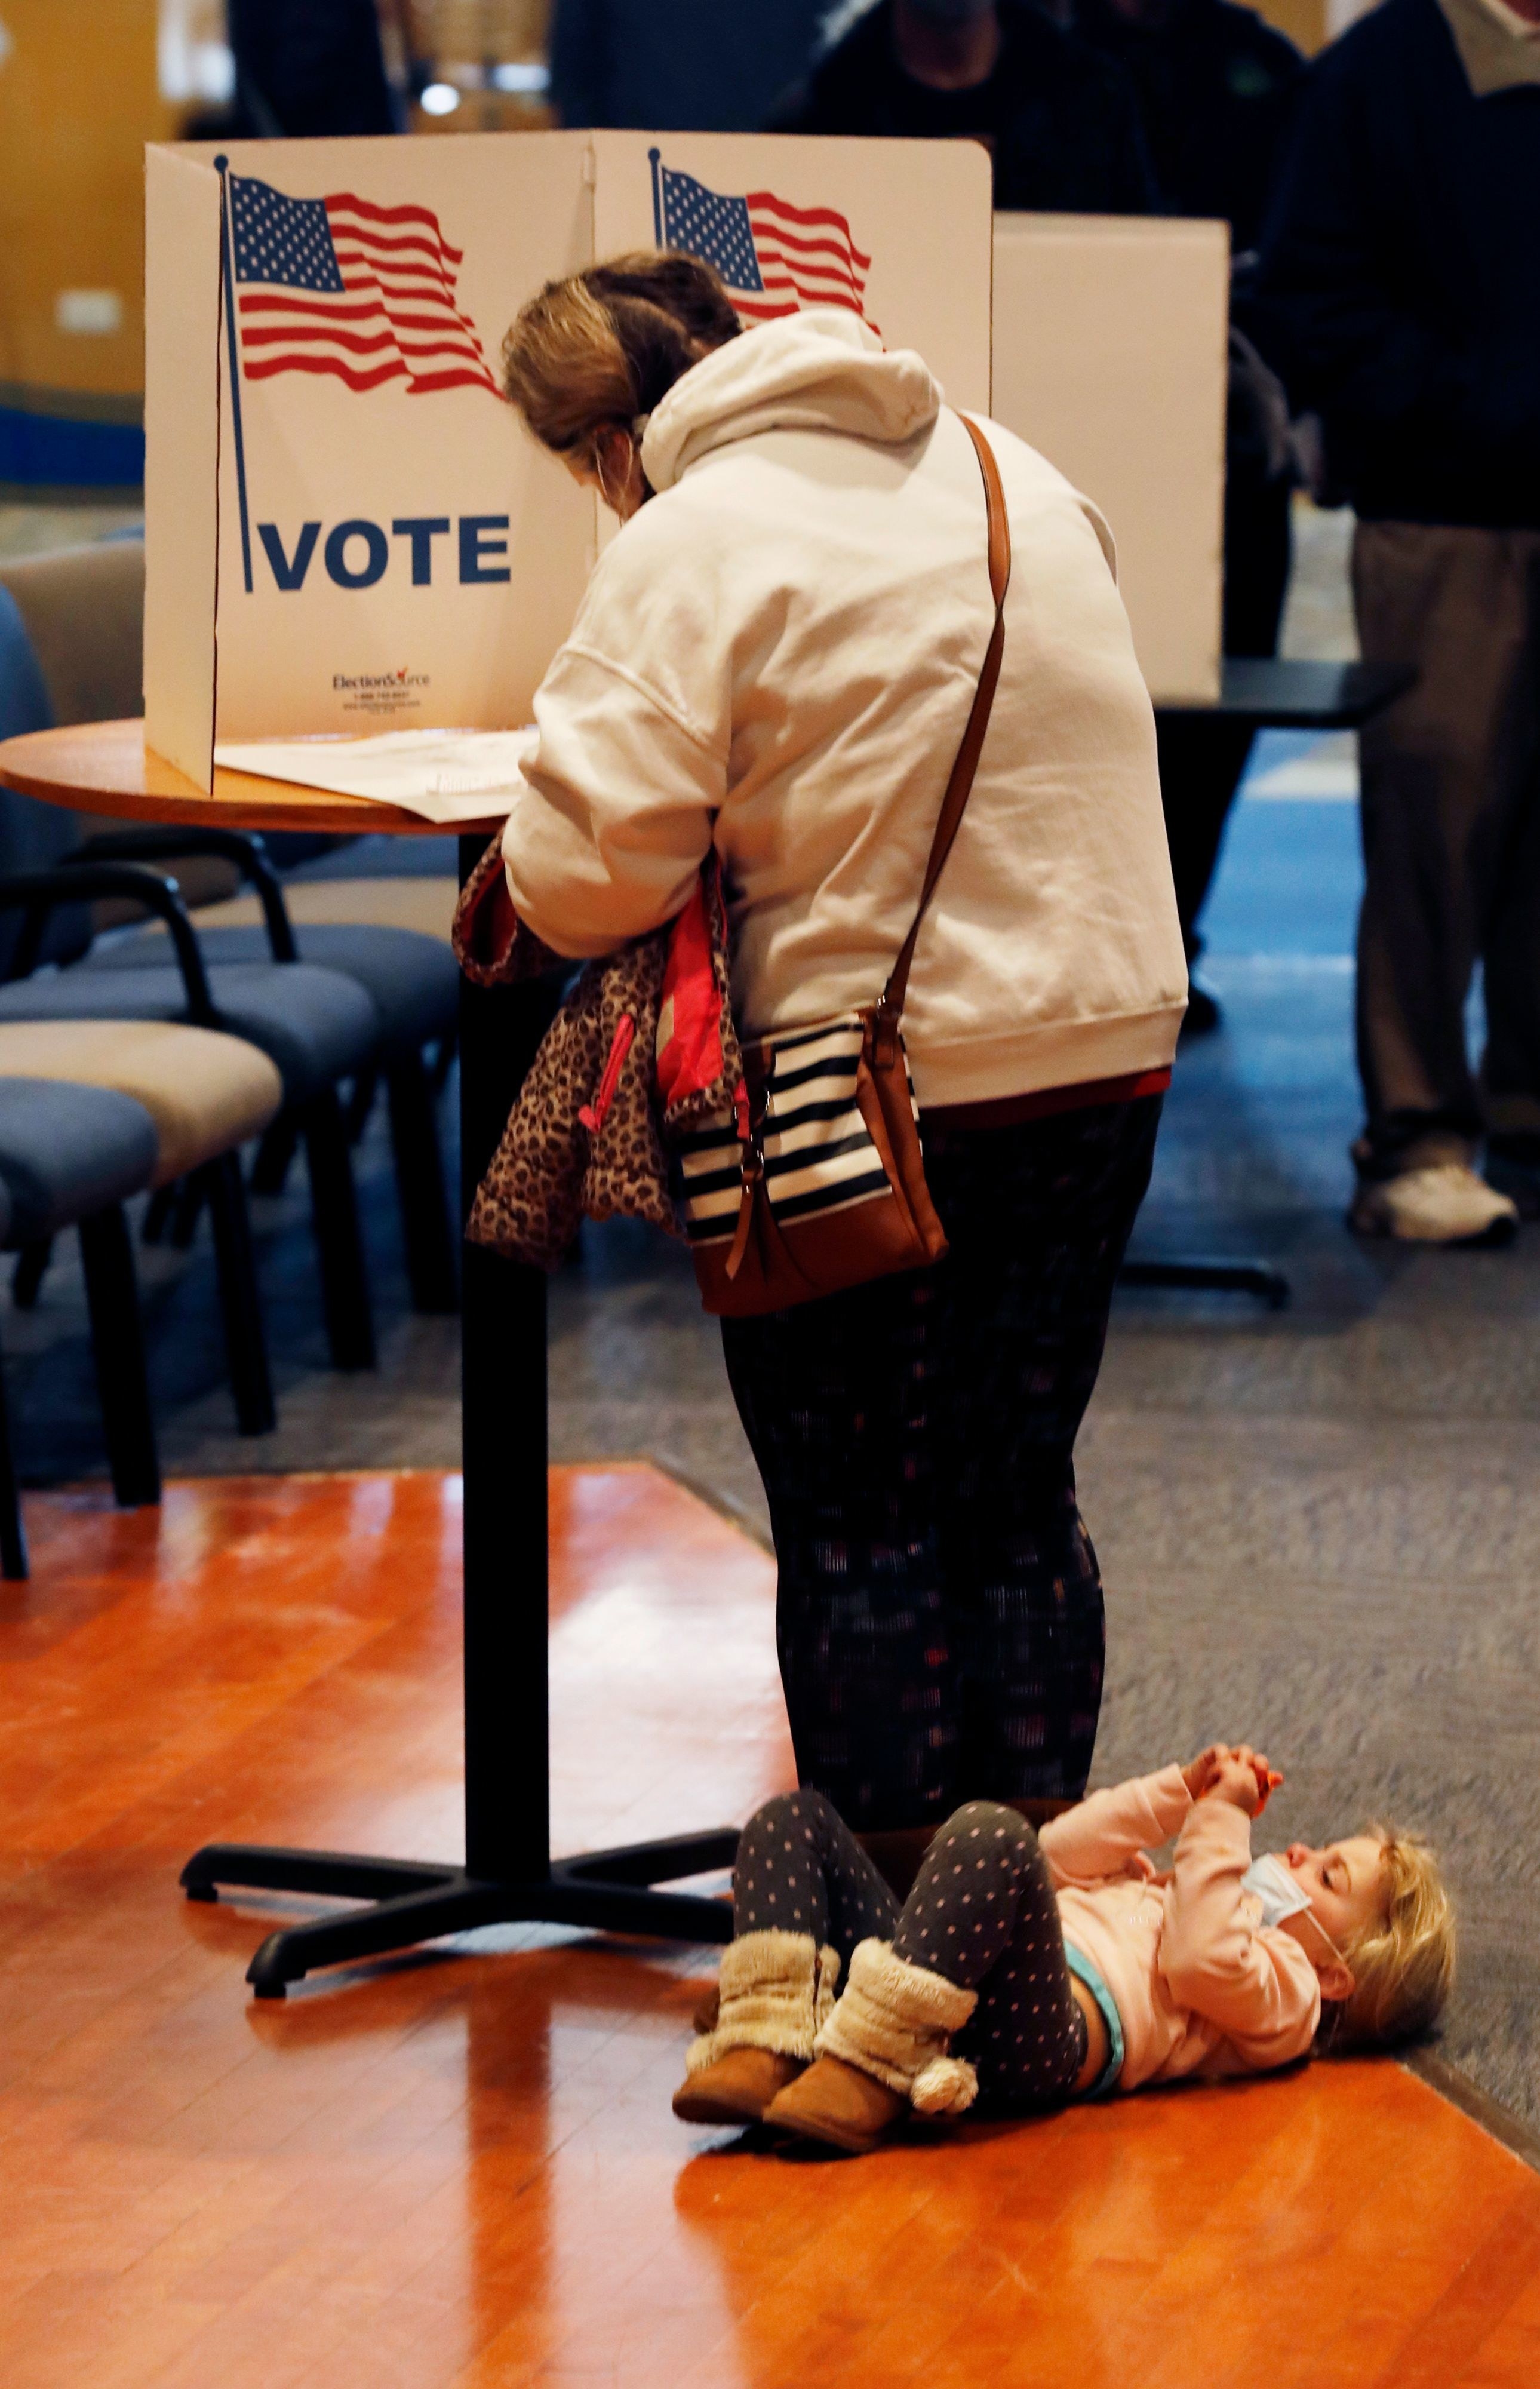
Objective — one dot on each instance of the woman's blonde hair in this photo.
(1404, 1968)
(598, 349)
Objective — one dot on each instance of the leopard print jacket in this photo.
(586, 1135)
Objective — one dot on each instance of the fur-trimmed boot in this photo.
(884, 2048)
(774, 1992)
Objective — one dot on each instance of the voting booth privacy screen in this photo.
(347, 529)
(1111, 338)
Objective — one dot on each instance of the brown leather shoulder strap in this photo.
(958, 787)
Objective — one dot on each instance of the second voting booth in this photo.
(347, 529)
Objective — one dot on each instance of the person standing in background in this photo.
(1061, 123)
(1399, 294)
(677, 65)
(1217, 90)
(305, 68)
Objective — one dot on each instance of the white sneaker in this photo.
(1445, 1205)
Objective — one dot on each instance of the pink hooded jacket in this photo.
(1200, 1987)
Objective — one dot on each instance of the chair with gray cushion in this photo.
(77, 614)
(84, 610)
(314, 1025)
(411, 981)
(207, 1093)
(69, 649)
(33, 836)
(70, 1156)
(395, 883)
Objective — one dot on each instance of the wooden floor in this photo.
(461, 2170)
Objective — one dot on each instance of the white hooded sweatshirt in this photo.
(779, 653)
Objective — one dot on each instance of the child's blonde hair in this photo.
(1404, 1969)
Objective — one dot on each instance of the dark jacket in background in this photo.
(1062, 122)
(1216, 90)
(1399, 290)
(309, 67)
(702, 65)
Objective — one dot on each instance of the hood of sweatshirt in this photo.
(821, 370)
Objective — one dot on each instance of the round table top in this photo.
(105, 767)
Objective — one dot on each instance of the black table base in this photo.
(509, 1876)
(406, 1902)
(1211, 1277)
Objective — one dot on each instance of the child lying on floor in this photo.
(1027, 1968)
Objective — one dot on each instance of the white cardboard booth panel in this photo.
(1110, 343)
(346, 528)
(182, 414)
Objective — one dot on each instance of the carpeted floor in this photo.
(1319, 1527)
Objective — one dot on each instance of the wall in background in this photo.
(79, 98)
(1310, 24)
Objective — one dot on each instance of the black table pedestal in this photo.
(509, 1876)
(1209, 1277)
(406, 1902)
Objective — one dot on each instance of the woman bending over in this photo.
(1025, 1969)
(773, 665)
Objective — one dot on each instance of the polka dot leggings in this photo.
(982, 1913)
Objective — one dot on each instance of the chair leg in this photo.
(270, 1171)
(443, 1061)
(190, 1207)
(158, 1211)
(338, 1240)
(360, 1103)
(425, 1232)
(13, 1537)
(240, 1302)
(118, 1342)
(31, 1268)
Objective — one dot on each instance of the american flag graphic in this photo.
(339, 286)
(775, 259)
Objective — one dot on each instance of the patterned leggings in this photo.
(982, 1913)
(939, 1619)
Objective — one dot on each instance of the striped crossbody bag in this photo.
(816, 1180)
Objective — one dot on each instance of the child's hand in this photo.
(1202, 1774)
(1268, 1778)
(1240, 1780)
(1199, 1773)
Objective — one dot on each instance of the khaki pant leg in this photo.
(1438, 795)
(1510, 1074)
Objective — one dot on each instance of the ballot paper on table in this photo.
(445, 776)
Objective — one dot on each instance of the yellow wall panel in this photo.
(1305, 21)
(79, 98)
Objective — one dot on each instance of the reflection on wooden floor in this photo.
(461, 2169)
